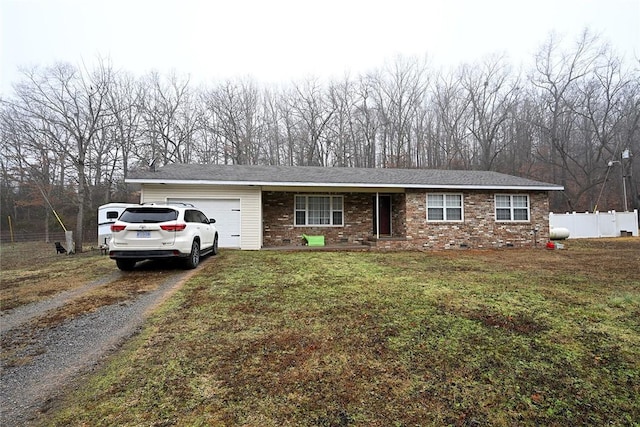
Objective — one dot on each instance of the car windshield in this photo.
(142, 215)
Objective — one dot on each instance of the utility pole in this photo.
(625, 165)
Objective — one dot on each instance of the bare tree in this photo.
(365, 125)
(236, 108)
(629, 135)
(171, 116)
(492, 92)
(602, 116)
(273, 148)
(292, 150)
(71, 105)
(28, 164)
(400, 93)
(125, 102)
(340, 128)
(556, 77)
(312, 112)
(521, 135)
(450, 103)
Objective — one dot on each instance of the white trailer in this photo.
(107, 215)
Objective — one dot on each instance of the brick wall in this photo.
(278, 220)
(479, 229)
(409, 226)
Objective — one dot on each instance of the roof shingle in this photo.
(333, 176)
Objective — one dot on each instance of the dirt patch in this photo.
(521, 323)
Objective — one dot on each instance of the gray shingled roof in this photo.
(329, 176)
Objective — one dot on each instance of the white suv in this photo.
(162, 231)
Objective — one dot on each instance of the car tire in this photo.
(214, 249)
(125, 264)
(194, 257)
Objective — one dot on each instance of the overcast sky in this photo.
(277, 41)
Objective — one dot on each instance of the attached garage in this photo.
(237, 210)
(226, 212)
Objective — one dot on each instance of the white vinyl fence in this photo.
(597, 224)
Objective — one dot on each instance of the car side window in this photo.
(189, 216)
(203, 218)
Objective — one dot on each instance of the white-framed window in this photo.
(319, 210)
(445, 207)
(512, 207)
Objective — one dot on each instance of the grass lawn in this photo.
(468, 338)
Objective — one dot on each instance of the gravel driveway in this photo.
(56, 356)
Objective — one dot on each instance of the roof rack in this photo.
(184, 204)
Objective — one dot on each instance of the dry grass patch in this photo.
(125, 288)
(32, 272)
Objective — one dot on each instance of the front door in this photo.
(382, 216)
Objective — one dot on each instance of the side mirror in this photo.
(212, 221)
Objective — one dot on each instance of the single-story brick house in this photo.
(268, 206)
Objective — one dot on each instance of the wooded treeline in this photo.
(70, 134)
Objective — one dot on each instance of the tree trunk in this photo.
(46, 226)
(81, 203)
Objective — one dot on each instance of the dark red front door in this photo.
(384, 215)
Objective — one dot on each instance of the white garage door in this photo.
(226, 212)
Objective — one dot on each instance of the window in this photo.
(195, 216)
(512, 207)
(318, 210)
(190, 216)
(203, 218)
(444, 207)
(148, 214)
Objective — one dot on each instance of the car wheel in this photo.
(125, 264)
(214, 250)
(194, 256)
